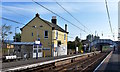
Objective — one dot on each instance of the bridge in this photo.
(101, 42)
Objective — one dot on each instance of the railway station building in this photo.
(52, 37)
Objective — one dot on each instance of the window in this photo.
(39, 50)
(32, 33)
(40, 46)
(64, 36)
(56, 35)
(46, 34)
(35, 46)
(59, 43)
(35, 51)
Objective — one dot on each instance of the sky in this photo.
(91, 13)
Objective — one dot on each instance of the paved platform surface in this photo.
(8, 65)
(111, 63)
(114, 63)
(29, 61)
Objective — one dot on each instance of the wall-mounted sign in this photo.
(37, 42)
(46, 48)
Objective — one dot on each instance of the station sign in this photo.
(37, 42)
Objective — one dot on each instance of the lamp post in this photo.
(15, 33)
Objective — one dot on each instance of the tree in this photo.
(77, 41)
(80, 47)
(96, 37)
(17, 37)
(10, 32)
(71, 45)
(89, 37)
(5, 31)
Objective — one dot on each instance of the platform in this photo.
(110, 64)
(37, 62)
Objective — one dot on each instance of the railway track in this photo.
(82, 65)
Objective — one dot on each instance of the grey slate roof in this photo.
(23, 43)
(54, 26)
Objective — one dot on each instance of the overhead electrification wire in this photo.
(13, 11)
(72, 15)
(109, 18)
(58, 16)
(25, 24)
(12, 20)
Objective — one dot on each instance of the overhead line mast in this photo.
(109, 18)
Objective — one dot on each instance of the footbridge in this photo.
(101, 42)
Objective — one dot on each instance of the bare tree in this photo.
(5, 31)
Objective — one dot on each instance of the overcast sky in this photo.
(91, 13)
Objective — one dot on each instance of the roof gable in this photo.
(54, 26)
(31, 21)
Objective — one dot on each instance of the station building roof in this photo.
(23, 43)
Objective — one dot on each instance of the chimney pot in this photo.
(66, 27)
(53, 17)
(54, 20)
(37, 15)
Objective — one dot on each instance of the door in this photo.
(40, 52)
(34, 52)
(37, 51)
(59, 43)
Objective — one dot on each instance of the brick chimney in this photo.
(66, 27)
(37, 15)
(54, 20)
